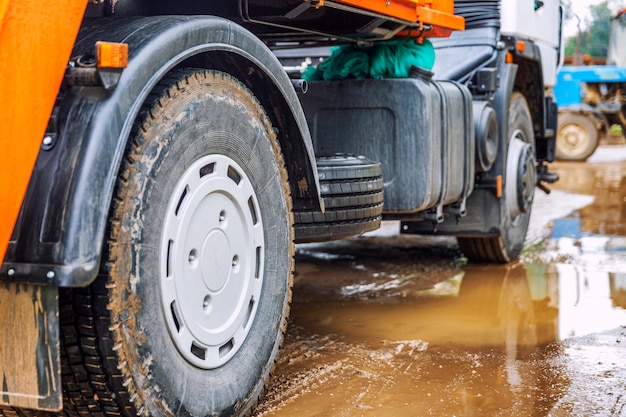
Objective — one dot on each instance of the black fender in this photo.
(530, 83)
(59, 236)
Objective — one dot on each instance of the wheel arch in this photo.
(529, 82)
(59, 242)
(275, 95)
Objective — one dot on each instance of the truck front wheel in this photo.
(517, 194)
(190, 309)
(577, 137)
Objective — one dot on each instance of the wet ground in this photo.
(395, 325)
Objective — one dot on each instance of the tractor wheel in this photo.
(576, 138)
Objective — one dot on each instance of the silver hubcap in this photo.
(520, 176)
(211, 261)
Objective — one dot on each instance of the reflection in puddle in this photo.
(587, 301)
(476, 307)
(479, 342)
(465, 346)
(390, 325)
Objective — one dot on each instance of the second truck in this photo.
(161, 159)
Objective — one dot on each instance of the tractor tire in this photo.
(576, 138)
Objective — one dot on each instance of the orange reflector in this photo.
(499, 186)
(521, 46)
(509, 58)
(112, 55)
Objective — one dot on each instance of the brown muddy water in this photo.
(395, 325)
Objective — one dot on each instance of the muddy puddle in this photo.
(397, 325)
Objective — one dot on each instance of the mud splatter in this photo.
(402, 325)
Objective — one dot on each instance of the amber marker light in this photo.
(521, 46)
(111, 55)
(499, 186)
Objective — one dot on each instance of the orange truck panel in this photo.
(36, 39)
(438, 13)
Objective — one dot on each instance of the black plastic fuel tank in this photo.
(421, 130)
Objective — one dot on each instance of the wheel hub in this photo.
(211, 261)
(214, 260)
(521, 177)
(572, 137)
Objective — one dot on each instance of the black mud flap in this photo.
(29, 347)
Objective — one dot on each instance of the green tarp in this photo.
(388, 59)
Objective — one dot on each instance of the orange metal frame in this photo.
(36, 39)
(437, 13)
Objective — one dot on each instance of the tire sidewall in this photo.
(209, 121)
(514, 230)
(583, 152)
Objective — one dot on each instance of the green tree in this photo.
(594, 35)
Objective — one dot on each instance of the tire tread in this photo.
(94, 371)
(352, 191)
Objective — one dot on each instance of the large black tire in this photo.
(576, 138)
(518, 192)
(190, 309)
(352, 190)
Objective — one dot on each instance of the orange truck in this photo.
(160, 160)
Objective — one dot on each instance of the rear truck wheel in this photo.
(576, 138)
(189, 312)
(517, 194)
(352, 190)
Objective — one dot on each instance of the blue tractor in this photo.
(591, 99)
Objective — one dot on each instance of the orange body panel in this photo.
(3, 8)
(438, 13)
(36, 39)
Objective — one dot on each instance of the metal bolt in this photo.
(387, 3)
(50, 274)
(235, 260)
(47, 140)
(11, 272)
